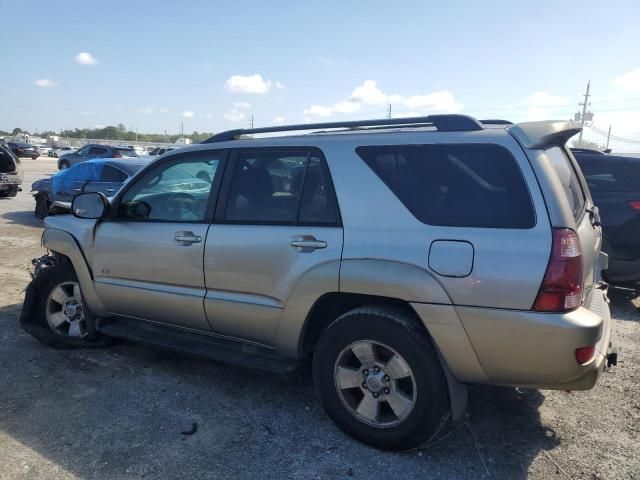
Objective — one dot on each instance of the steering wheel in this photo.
(180, 201)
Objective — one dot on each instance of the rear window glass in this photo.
(569, 179)
(126, 152)
(472, 185)
(608, 174)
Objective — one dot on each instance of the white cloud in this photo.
(187, 114)
(278, 119)
(208, 116)
(45, 83)
(163, 110)
(248, 84)
(542, 104)
(144, 110)
(370, 94)
(234, 115)
(629, 81)
(280, 85)
(242, 104)
(85, 58)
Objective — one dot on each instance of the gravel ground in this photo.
(120, 412)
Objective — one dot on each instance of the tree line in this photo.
(118, 132)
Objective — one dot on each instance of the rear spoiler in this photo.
(546, 134)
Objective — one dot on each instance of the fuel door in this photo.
(451, 258)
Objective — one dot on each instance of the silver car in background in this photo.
(402, 258)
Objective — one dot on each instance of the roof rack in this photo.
(444, 123)
(495, 121)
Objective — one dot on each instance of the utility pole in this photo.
(136, 134)
(583, 117)
(182, 128)
(389, 111)
(608, 136)
(251, 121)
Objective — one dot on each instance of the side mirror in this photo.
(92, 205)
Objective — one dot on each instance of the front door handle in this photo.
(187, 238)
(307, 243)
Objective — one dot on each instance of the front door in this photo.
(148, 254)
(279, 223)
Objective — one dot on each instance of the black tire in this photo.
(394, 329)
(42, 207)
(34, 157)
(63, 165)
(33, 317)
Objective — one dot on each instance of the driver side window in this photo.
(174, 191)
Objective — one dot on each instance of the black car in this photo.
(614, 182)
(24, 150)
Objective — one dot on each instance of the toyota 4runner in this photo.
(402, 258)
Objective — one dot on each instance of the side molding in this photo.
(65, 244)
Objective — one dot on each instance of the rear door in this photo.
(109, 182)
(278, 221)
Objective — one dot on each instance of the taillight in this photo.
(635, 204)
(561, 289)
(585, 354)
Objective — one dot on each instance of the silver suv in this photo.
(402, 258)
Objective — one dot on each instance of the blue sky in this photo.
(151, 65)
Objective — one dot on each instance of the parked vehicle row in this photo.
(402, 258)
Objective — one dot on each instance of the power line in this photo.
(613, 137)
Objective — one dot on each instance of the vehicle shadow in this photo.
(626, 302)
(26, 218)
(134, 411)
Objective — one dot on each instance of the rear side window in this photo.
(463, 185)
(280, 187)
(112, 174)
(125, 152)
(608, 174)
(569, 179)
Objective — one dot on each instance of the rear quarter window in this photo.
(569, 179)
(462, 185)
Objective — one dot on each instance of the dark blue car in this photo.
(614, 182)
(54, 194)
(91, 151)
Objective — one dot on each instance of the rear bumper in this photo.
(537, 350)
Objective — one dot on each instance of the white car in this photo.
(44, 150)
(58, 152)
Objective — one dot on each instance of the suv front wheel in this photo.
(58, 316)
(379, 379)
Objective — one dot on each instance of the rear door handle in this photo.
(307, 243)
(187, 238)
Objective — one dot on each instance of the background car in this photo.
(22, 150)
(59, 151)
(160, 151)
(614, 182)
(10, 172)
(54, 194)
(89, 152)
(44, 149)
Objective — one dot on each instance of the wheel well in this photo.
(332, 305)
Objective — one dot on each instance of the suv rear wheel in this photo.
(63, 165)
(378, 377)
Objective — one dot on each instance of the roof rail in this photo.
(495, 121)
(444, 123)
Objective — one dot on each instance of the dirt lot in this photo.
(119, 413)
